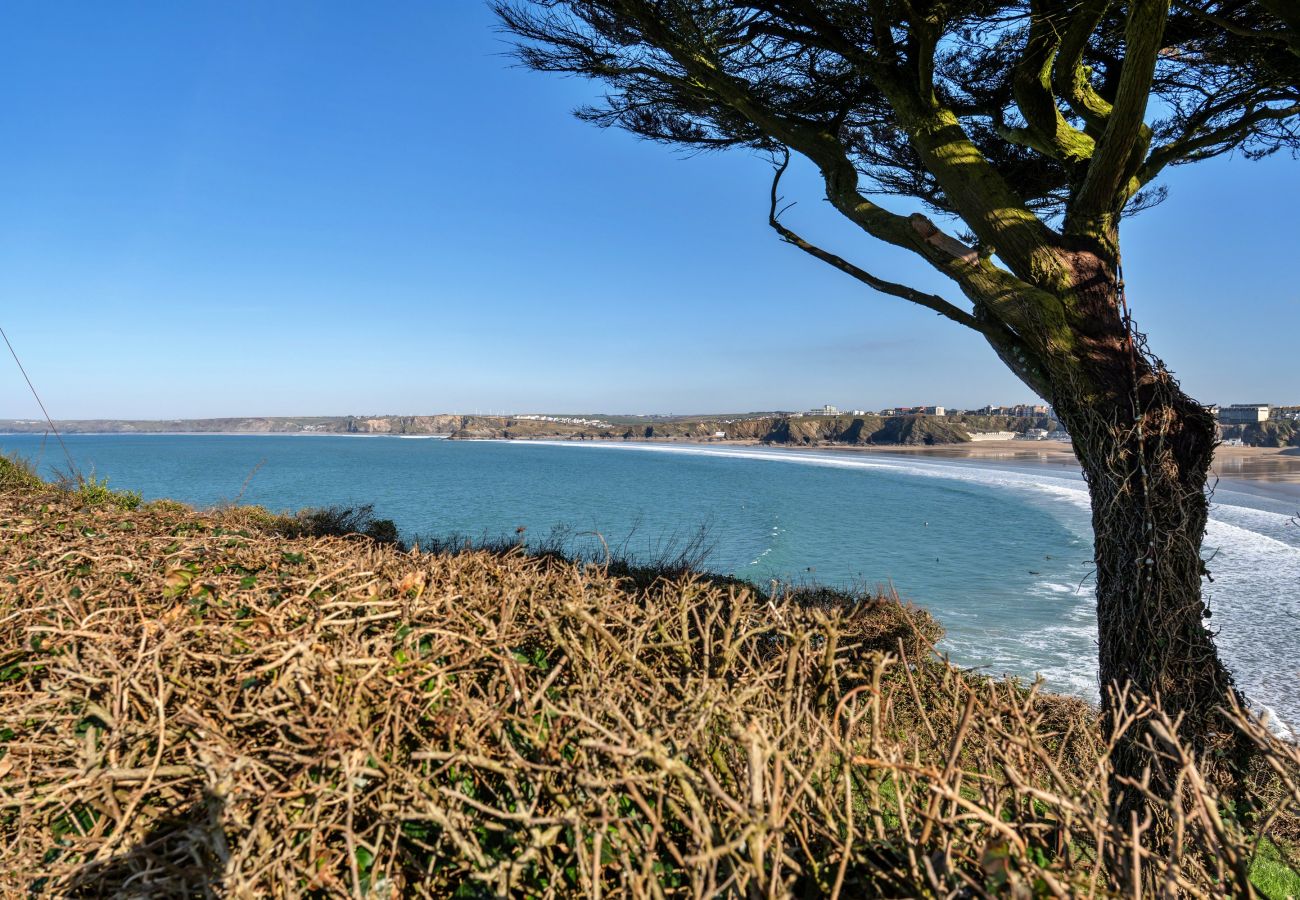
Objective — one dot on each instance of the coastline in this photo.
(1270, 464)
(1269, 472)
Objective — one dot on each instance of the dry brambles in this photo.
(194, 705)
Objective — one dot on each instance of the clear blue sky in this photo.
(249, 208)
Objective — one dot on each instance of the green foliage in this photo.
(1273, 874)
(340, 521)
(96, 492)
(18, 474)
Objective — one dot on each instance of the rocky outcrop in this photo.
(442, 424)
(1279, 433)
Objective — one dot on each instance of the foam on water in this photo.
(1253, 555)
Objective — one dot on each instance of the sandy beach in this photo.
(1250, 463)
(1269, 471)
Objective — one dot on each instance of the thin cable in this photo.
(72, 465)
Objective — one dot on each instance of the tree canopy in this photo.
(1035, 124)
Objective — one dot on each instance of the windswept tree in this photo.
(1028, 129)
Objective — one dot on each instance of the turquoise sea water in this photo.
(1000, 554)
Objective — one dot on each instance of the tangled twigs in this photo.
(197, 707)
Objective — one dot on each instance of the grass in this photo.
(1273, 872)
(93, 492)
(229, 703)
(18, 474)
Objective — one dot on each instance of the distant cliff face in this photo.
(1273, 433)
(798, 430)
(442, 424)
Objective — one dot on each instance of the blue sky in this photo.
(247, 208)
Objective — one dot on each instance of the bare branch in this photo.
(929, 301)
(1195, 147)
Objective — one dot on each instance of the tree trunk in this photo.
(1146, 474)
(1145, 448)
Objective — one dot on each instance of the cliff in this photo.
(1280, 433)
(774, 429)
(804, 430)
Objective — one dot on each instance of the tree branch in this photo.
(1070, 75)
(1032, 87)
(1283, 9)
(1094, 213)
(1006, 343)
(929, 301)
(1215, 141)
(975, 188)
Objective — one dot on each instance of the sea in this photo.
(1001, 554)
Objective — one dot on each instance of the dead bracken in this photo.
(196, 705)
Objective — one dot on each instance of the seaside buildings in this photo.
(1020, 410)
(1243, 414)
(913, 411)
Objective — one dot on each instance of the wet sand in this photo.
(1267, 471)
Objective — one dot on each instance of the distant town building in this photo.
(1244, 414)
(992, 435)
(932, 410)
(1033, 434)
(719, 434)
(1021, 410)
(826, 410)
(857, 412)
(563, 420)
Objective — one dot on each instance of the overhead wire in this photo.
(54, 428)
